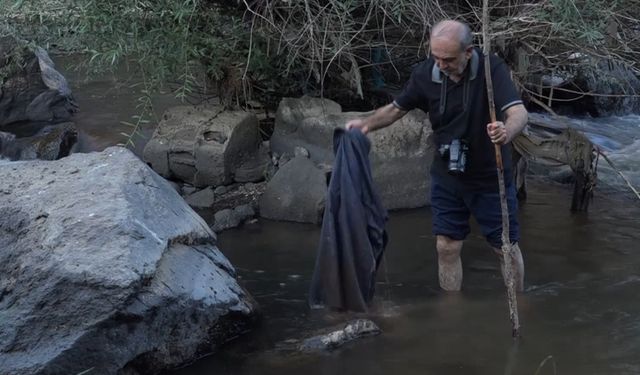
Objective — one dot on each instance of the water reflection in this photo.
(106, 101)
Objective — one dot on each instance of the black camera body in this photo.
(456, 155)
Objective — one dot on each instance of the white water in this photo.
(619, 139)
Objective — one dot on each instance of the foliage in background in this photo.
(594, 45)
(351, 45)
(195, 45)
(13, 60)
(264, 49)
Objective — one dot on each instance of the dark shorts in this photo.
(451, 208)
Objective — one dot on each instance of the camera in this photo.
(456, 154)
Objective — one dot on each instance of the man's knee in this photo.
(448, 248)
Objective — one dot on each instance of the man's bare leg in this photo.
(518, 266)
(449, 263)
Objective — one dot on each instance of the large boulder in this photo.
(207, 146)
(400, 156)
(103, 266)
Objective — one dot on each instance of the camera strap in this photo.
(465, 101)
(443, 94)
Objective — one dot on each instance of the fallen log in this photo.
(551, 142)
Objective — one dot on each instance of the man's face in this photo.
(450, 58)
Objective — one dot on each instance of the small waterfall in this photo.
(619, 138)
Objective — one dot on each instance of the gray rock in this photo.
(204, 145)
(254, 168)
(400, 157)
(301, 151)
(271, 171)
(308, 123)
(238, 195)
(224, 219)
(6, 139)
(228, 218)
(188, 189)
(245, 211)
(52, 142)
(26, 96)
(220, 190)
(296, 193)
(103, 266)
(339, 336)
(201, 199)
(283, 159)
(50, 76)
(293, 111)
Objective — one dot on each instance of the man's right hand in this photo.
(382, 117)
(358, 123)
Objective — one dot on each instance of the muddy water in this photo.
(580, 313)
(106, 102)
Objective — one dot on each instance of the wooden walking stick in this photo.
(507, 252)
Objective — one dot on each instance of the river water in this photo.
(580, 313)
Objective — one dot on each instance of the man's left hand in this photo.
(497, 132)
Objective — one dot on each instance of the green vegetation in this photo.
(181, 41)
(12, 62)
(243, 49)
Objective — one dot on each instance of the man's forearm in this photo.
(383, 117)
(515, 122)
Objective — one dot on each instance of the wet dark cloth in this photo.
(460, 110)
(353, 236)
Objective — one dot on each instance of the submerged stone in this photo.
(340, 335)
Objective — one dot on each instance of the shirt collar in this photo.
(474, 62)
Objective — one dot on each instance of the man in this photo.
(450, 86)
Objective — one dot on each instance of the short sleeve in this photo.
(504, 90)
(411, 96)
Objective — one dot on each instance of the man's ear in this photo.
(468, 51)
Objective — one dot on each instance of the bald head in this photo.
(451, 48)
(453, 30)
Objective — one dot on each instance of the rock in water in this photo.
(340, 335)
(104, 266)
(50, 143)
(33, 91)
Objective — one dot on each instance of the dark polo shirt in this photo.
(459, 110)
